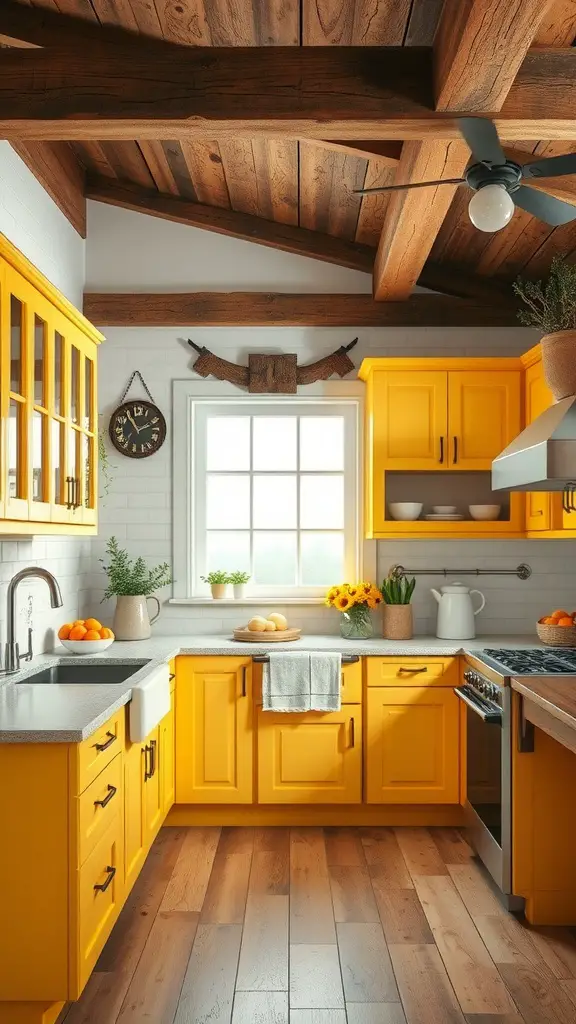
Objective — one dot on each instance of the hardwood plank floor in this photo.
(324, 926)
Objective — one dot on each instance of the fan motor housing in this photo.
(509, 175)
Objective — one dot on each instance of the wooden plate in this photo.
(272, 637)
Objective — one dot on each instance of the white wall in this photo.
(33, 222)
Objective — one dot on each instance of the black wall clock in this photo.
(137, 428)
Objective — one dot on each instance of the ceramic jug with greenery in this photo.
(132, 583)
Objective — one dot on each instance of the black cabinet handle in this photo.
(153, 761)
(69, 495)
(109, 742)
(342, 679)
(244, 681)
(441, 459)
(172, 676)
(102, 803)
(455, 459)
(111, 872)
(413, 671)
(147, 762)
(352, 733)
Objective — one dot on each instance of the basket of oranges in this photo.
(85, 636)
(558, 629)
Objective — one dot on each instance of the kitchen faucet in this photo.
(12, 656)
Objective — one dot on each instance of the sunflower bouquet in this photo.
(355, 601)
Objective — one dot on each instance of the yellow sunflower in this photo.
(374, 600)
(332, 594)
(343, 602)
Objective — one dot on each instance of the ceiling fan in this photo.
(497, 182)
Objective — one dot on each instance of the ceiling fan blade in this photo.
(482, 137)
(550, 167)
(547, 208)
(411, 184)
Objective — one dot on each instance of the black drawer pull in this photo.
(244, 681)
(413, 671)
(352, 733)
(148, 773)
(109, 742)
(102, 803)
(111, 872)
(172, 676)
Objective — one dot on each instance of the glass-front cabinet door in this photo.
(48, 407)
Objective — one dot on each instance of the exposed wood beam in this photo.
(60, 174)
(150, 92)
(388, 153)
(21, 25)
(232, 223)
(253, 309)
(479, 48)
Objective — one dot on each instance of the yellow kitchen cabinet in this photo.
(214, 738)
(135, 833)
(412, 753)
(412, 671)
(483, 416)
(48, 405)
(99, 893)
(148, 793)
(310, 758)
(167, 759)
(410, 422)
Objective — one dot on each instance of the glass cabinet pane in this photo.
(72, 470)
(88, 386)
(39, 420)
(39, 361)
(75, 384)
(16, 346)
(58, 437)
(87, 445)
(58, 365)
(15, 449)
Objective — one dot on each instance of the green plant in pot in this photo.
(217, 580)
(397, 619)
(132, 583)
(239, 580)
(550, 306)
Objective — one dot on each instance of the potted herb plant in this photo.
(397, 619)
(132, 583)
(239, 580)
(551, 307)
(218, 581)
(354, 601)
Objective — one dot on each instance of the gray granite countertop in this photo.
(68, 713)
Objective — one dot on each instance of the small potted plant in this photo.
(397, 619)
(218, 581)
(133, 584)
(354, 601)
(239, 580)
(551, 307)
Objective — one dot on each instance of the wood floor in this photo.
(323, 926)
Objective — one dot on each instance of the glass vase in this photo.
(356, 623)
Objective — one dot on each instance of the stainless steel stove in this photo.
(488, 698)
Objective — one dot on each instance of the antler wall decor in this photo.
(273, 374)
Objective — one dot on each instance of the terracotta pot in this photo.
(131, 619)
(397, 622)
(559, 363)
(218, 591)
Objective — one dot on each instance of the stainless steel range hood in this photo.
(543, 456)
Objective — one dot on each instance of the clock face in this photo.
(137, 429)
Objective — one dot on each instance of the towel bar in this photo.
(347, 659)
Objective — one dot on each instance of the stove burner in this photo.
(534, 661)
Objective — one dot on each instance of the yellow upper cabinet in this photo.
(483, 416)
(410, 419)
(48, 405)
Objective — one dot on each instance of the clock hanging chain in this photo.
(129, 385)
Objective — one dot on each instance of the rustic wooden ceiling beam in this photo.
(21, 25)
(254, 309)
(152, 92)
(387, 152)
(479, 48)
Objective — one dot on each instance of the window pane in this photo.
(274, 504)
(16, 328)
(228, 550)
(322, 502)
(322, 559)
(322, 442)
(39, 360)
(227, 502)
(275, 557)
(58, 360)
(274, 442)
(228, 442)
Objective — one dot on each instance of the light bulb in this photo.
(490, 208)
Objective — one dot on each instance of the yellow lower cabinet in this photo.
(214, 738)
(98, 805)
(152, 789)
(412, 745)
(167, 759)
(135, 847)
(310, 758)
(99, 894)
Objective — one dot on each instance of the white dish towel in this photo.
(302, 681)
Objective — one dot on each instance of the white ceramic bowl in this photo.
(484, 513)
(86, 646)
(444, 510)
(405, 510)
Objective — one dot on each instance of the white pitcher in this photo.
(131, 618)
(456, 612)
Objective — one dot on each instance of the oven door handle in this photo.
(487, 712)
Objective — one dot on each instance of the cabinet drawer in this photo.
(99, 749)
(412, 671)
(351, 689)
(97, 806)
(100, 895)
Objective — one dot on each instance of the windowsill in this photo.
(246, 600)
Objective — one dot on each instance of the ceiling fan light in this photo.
(491, 208)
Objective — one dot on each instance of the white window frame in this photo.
(189, 396)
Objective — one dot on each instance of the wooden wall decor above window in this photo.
(273, 374)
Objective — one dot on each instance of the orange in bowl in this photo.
(93, 624)
(77, 632)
